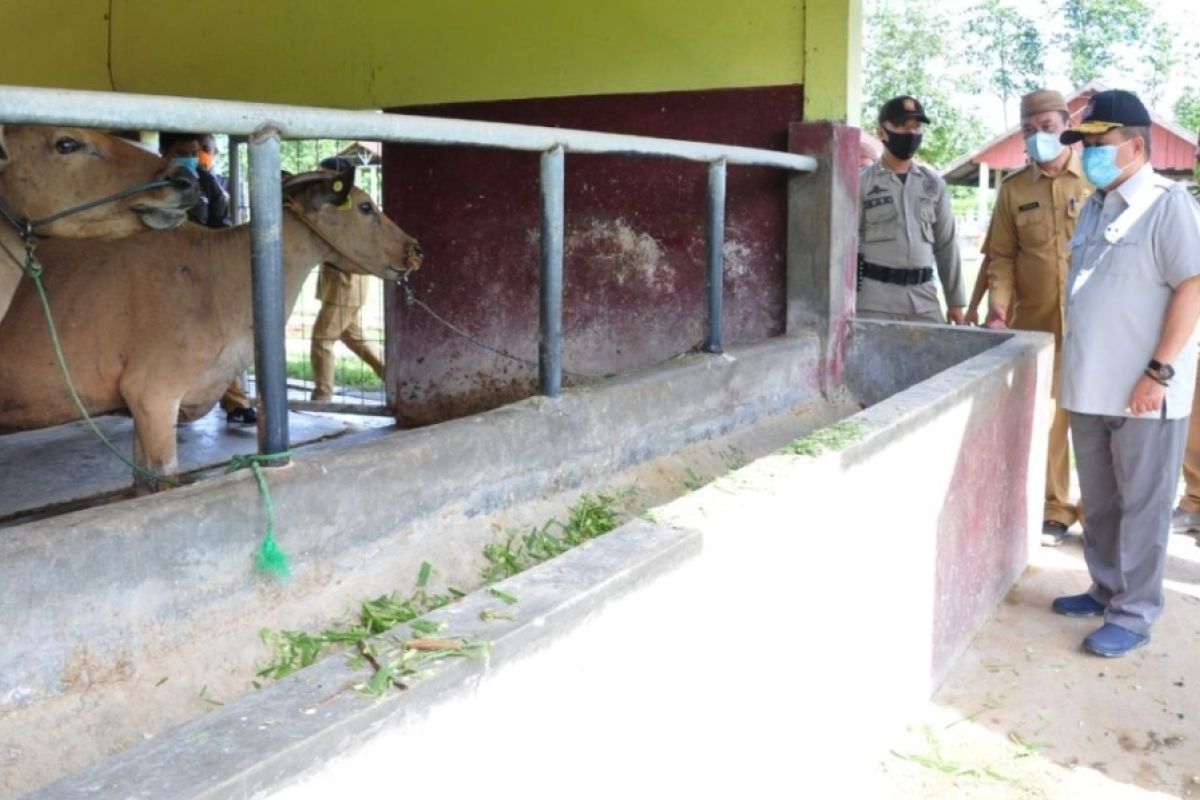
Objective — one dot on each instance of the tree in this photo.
(1187, 109)
(909, 48)
(1095, 31)
(1159, 58)
(1010, 46)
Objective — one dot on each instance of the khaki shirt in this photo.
(1027, 245)
(339, 288)
(909, 224)
(1119, 294)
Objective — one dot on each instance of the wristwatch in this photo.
(1159, 371)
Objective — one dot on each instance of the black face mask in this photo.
(902, 145)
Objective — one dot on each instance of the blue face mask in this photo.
(1100, 164)
(188, 162)
(1043, 147)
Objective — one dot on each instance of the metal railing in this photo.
(265, 125)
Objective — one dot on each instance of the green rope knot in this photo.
(270, 559)
(32, 267)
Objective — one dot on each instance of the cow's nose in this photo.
(184, 180)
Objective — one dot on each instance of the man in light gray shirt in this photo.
(906, 225)
(1128, 366)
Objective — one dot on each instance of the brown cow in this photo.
(45, 170)
(160, 323)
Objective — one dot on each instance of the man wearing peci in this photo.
(1028, 257)
(1128, 367)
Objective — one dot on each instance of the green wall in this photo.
(383, 53)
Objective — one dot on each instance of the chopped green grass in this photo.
(835, 437)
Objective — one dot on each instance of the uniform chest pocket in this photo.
(1033, 227)
(927, 216)
(880, 219)
(1122, 260)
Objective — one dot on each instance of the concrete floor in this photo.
(1027, 713)
(66, 465)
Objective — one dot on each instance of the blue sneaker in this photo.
(1078, 605)
(1113, 641)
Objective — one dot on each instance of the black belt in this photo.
(900, 277)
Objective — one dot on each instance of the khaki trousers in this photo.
(235, 396)
(1191, 458)
(1058, 472)
(334, 324)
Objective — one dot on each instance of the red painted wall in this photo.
(634, 271)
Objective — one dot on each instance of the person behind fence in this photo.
(1128, 366)
(341, 295)
(1186, 517)
(906, 225)
(212, 210)
(1028, 258)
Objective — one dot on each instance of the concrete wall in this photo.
(634, 260)
(126, 594)
(761, 634)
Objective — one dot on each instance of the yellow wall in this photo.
(382, 53)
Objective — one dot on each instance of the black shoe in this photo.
(1053, 533)
(244, 416)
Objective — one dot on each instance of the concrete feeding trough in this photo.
(938, 483)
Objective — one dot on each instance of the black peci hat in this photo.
(1114, 108)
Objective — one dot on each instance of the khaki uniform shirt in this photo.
(339, 288)
(908, 225)
(1027, 245)
(1118, 298)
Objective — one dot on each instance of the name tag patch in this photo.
(875, 202)
(1029, 206)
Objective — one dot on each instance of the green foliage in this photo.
(910, 48)
(348, 371)
(1010, 46)
(592, 516)
(1187, 108)
(835, 437)
(1096, 30)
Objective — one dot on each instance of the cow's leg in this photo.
(154, 444)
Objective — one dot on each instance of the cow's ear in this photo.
(340, 187)
(3, 149)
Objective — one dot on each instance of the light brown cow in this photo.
(160, 323)
(45, 170)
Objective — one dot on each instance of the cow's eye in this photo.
(366, 208)
(66, 144)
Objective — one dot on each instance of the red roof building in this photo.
(1173, 150)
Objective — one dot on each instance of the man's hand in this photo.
(1147, 396)
(972, 315)
(996, 319)
(955, 313)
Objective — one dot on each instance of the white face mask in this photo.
(1043, 147)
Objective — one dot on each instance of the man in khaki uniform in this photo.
(341, 295)
(1028, 260)
(906, 225)
(1186, 517)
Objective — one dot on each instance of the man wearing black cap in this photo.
(1128, 366)
(906, 226)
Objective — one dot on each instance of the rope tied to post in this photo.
(270, 559)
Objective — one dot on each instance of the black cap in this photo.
(900, 110)
(337, 163)
(1114, 108)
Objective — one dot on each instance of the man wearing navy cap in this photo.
(1128, 366)
(906, 227)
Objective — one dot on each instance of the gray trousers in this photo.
(1128, 471)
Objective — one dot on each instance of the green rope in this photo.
(270, 559)
(33, 270)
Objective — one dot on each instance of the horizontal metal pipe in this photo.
(19, 104)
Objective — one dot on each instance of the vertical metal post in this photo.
(237, 198)
(266, 265)
(716, 254)
(551, 283)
